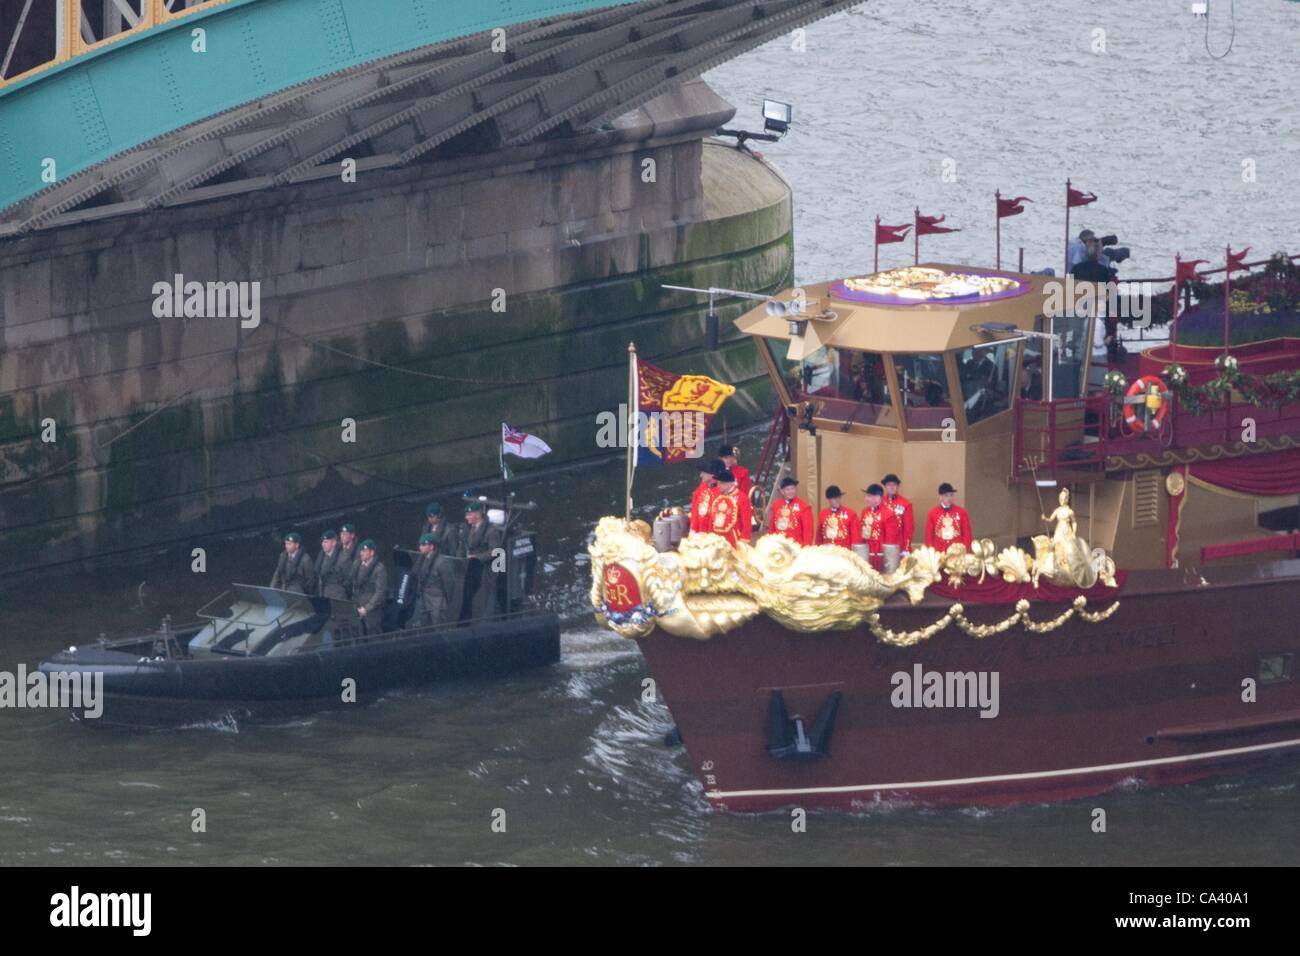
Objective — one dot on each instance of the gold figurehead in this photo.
(1065, 558)
(708, 587)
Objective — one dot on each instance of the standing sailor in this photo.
(729, 513)
(348, 545)
(435, 583)
(901, 507)
(332, 571)
(293, 572)
(791, 515)
(703, 491)
(947, 523)
(480, 541)
(369, 589)
(445, 535)
(878, 526)
(837, 524)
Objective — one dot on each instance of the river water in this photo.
(883, 95)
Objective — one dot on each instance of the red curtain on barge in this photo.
(1263, 476)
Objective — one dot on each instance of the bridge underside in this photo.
(447, 100)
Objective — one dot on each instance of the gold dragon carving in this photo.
(707, 587)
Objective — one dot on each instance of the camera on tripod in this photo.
(1115, 253)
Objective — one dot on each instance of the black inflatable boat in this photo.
(259, 650)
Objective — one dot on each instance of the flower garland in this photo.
(1272, 391)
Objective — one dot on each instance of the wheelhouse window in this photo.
(846, 385)
(987, 375)
(923, 383)
(1069, 360)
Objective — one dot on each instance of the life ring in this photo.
(1157, 404)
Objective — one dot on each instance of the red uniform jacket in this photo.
(903, 508)
(794, 519)
(700, 507)
(943, 528)
(743, 482)
(837, 527)
(878, 527)
(730, 516)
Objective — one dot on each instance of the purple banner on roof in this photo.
(922, 285)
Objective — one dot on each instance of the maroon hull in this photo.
(1153, 693)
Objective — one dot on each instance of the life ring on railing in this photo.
(1156, 403)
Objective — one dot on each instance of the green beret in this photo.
(329, 535)
(293, 536)
(433, 509)
(368, 544)
(428, 539)
(474, 506)
(349, 528)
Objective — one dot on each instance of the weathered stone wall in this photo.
(172, 428)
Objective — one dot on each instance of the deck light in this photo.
(777, 116)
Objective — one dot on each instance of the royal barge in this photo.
(1150, 638)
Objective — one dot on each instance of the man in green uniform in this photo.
(481, 539)
(348, 546)
(294, 572)
(445, 535)
(332, 571)
(435, 583)
(369, 588)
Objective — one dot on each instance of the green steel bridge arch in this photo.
(282, 88)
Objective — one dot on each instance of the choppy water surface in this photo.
(883, 95)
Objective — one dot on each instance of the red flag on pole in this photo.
(1006, 207)
(1011, 207)
(929, 225)
(1236, 262)
(887, 234)
(1185, 270)
(1073, 197)
(1077, 197)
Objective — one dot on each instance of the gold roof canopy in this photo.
(927, 327)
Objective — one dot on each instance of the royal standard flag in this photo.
(673, 413)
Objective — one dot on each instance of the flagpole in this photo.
(633, 437)
(1066, 270)
(916, 237)
(875, 248)
(501, 459)
(1173, 313)
(997, 217)
(1227, 294)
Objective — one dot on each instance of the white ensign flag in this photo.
(522, 444)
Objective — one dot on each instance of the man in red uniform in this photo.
(729, 513)
(878, 526)
(837, 524)
(700, 497)
(947, 523)
(901, 507)
(792, 516)
(727, 453)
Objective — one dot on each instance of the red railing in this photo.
(1068, 439)
(776, 449)
(1289, 543)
